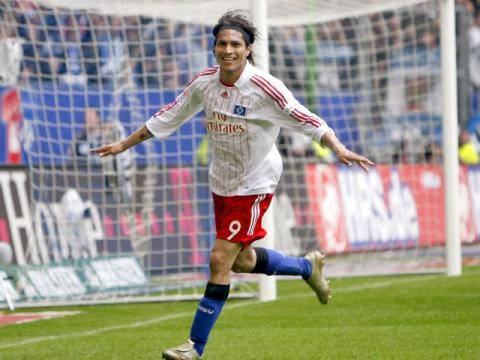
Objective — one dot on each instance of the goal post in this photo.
(380, 73)
(258, 10)
(451, 171)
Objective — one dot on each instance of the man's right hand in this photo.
(108, 149)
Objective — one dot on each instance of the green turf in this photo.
(404, 317)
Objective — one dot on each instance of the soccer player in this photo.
(245, 109)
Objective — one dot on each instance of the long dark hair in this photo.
(236, 20)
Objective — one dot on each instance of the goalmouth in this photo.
(141, 225)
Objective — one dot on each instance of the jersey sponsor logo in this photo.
(240, 110)
(225, 128)
(222, 123)
(225, 94)
(219, 116)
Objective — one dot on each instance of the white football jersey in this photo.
(243, 122)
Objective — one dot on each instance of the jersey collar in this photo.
(246, 74)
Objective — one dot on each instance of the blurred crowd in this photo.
(398, 54)
(391, 58)
(82, 48)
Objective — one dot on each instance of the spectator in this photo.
(170, 75)
(290, 54)
(473, 127)
(136, 52)
(334, 55)
(75, 73)
(150, 76)
(34, 66)
(10, 50)
(90, 136)
(191, 50)
(53, 48)
(94, 133)
(467, 151)
(118, 172)
(428, 49)
(88, 48)
(112, 50)
(474, 46)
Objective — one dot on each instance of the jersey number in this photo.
(234, 228)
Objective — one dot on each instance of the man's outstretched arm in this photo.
(115, 148)
(344, 155)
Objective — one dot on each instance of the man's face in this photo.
(92, 120)
(231, 52)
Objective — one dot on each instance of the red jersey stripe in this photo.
(298, 115)
(270, 90)
(208, 71)
(278, 92)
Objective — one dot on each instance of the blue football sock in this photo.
(272, 262)
(208, 310)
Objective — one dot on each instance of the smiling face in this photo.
(231, 53)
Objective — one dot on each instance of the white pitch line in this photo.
(160, 319)
(135, 324)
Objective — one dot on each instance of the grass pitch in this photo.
(402, 317)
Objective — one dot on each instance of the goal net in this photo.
(142, 223)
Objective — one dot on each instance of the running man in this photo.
(245, 109)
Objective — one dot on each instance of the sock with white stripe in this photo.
(272, 262)
(207, 314)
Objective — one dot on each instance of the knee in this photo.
(243, 263)
(219, 263)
